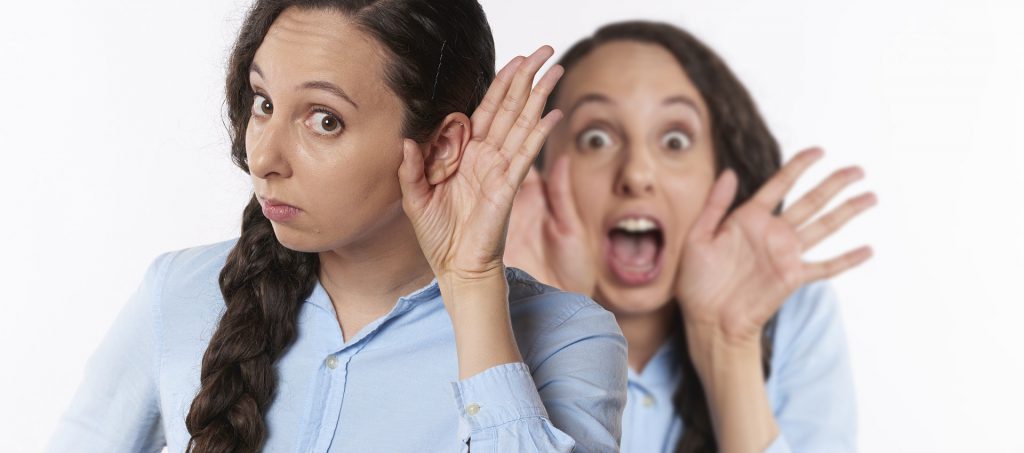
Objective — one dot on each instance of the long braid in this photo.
(263, 284)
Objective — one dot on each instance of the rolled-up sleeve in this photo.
(571, 399)
(500, 410)
(115, 408)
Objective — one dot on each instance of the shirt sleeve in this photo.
(115, 408)
(815, 403)
(572, 401)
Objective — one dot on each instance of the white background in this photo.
(112, 150)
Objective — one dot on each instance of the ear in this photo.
(444, 151)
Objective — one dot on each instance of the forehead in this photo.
(304, 45)
(629, 73)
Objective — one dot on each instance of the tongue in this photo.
(634, 250)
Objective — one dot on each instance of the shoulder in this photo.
(193, 265)
(546, 318)
(809, 324)
(186, 286)
(815, 303)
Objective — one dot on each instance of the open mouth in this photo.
(634, 249)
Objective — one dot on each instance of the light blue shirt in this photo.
(810, 388)
(393, 387)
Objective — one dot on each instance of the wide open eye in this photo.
(593, 139)
(261, 106)
(676, 141)
(325, 123)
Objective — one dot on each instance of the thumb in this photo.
(559, 192)
(718, 201)
(411, 177)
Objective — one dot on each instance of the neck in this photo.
(646, 332)
(365, 279)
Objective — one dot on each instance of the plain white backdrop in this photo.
(113, 150)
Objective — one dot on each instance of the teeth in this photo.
(636, 225)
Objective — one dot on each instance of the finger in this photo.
(829, 223)
(531, 112)
(484, 113)
(560, 198)
(775, 189)
(815, 200)
(835, 266)
(520, 162)
(717, 204)
(411, 177)
(515, 99)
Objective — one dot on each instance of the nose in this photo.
(266, 149)
(636, 175)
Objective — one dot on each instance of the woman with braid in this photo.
(365, 306)
(661, 198)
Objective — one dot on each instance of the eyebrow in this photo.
(314, 85)
(683, 100)
(592, 97)
(600, 98)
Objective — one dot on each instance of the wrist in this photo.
(478, 308)
(715, 351)
(459, 288)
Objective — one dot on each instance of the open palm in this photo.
(461, 221)
(736, 273)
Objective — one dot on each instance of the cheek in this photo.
(357, 177)
(686, 197)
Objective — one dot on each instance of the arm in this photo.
(735, 274)
(572, 402)
(459, 206)
(116, 406)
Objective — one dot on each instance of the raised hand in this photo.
(461, 218)
(737, 273)
(461, 221)
(546, 236)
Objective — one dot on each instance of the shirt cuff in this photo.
(495, 396)
(779, 445)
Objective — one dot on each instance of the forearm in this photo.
(733, 381)
(480, 318)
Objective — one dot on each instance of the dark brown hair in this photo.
(741, 141)
(440, 60)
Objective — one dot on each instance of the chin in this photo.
(299, 241)
(633, 300)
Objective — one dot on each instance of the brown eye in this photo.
(675, 141)
(325, 123)
(594, 139)
(261, 106)
(329, 123)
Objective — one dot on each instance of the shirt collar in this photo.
(321, 299)
(663, 368)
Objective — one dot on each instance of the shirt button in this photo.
(473, 409)
(332, 362)
(648, 401)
